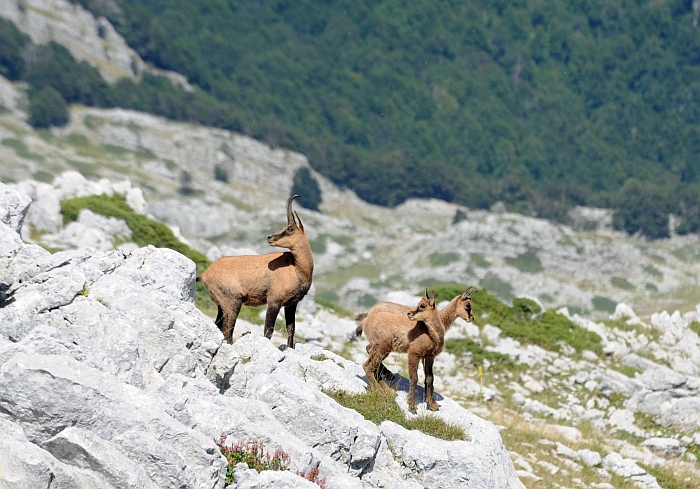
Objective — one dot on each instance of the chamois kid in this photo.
(460, 306)
(420, 332)
(279, 279)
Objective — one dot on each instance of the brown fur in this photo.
(420, 332)
(279, 279)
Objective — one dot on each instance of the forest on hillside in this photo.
(540, 104)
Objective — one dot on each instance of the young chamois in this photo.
(279, 279)
(459, 306)
(420, 332)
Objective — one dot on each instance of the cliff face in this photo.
(110, 377)
(87, 38)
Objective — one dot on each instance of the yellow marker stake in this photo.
(480, 369)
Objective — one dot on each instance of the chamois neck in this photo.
(449, 313)
(303, 258)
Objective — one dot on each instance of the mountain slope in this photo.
(542, 105)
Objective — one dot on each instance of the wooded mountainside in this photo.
(541, 104)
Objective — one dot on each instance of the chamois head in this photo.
(464, 307)
(293, 233)
(424, 309)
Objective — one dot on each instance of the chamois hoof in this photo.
(412, 410)
(434, 407)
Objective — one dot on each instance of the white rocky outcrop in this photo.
(110, 377)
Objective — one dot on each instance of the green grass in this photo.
(497, 360)
(144, 232)
(380, 405)
(668, 479)
(479, 260)
(603, 304)
(527, 262)
(695, 326)
(442, 259)
(21, 149)
(622, 283)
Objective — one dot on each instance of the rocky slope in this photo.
(110, 377)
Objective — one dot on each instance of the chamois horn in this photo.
(290, 215)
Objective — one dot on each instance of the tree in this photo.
(305, 185)
(47, 108)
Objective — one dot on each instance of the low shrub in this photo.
(256, 457)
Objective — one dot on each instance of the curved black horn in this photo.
(290, 216)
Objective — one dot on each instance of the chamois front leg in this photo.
(413, 361)
(428, 370)
(289, 312)
(270, 317)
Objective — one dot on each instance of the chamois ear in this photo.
(426, 293)
(468, 293)
(432, 298)
(297, 221)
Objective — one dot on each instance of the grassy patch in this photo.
(527, 262)
(499, 287)
(603, 304)
(668, 478)
(695, 326)
(116, 150)
(442, 259)
(21, 149)
(479, 260)
(144, 232)
(85, 169)
(498, 361)
(622, 283)
(43, 176)
(378, 406)
(653, 271)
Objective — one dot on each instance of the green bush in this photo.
(47, 108)
(11, 43)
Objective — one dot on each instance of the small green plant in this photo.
(695, 326)
(84, 291)
(380, 405)
(256, 457)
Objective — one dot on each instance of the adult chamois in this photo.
(420, 332)
(279, 279)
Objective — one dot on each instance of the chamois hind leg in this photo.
(428, 370)
(289, 312)
(413, 361)
(270, 317)
(381, 371)
(371, 365)
(228, 313)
